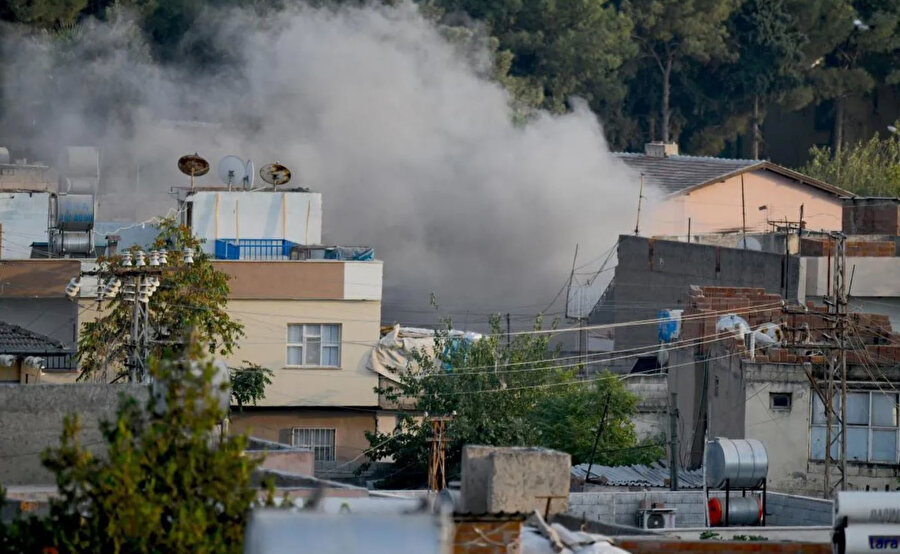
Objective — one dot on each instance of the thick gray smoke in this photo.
(415, 151)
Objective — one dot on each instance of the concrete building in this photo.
(652, 275)
(24, 355)
(32, 295)
(718, 194)
(772, 395)
(311, 313)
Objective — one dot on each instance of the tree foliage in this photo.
(169, 480)
(503, 395)
(190, 296)
(867, 168)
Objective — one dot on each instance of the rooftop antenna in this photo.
(249, 175)
(637, 224)
(193, 165)
(231, 171)
(275, 174)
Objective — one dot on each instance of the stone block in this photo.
(514, 480)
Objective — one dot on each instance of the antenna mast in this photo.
(637, 223)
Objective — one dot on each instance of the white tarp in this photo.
(394, 352)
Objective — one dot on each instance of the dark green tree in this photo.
(672, 32)
(502, 395)
(563, 47)
(168, 481)
(43, 14)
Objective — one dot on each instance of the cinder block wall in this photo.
(31, 420)
(783, 510)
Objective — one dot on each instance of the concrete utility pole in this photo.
(673, 442)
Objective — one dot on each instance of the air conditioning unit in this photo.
(656, 518)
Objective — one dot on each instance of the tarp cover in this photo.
(394, 352)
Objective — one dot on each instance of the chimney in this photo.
(112, 244)
(661, 149)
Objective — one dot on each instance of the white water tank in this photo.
(742, 462)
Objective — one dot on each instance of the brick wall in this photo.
(854, 248)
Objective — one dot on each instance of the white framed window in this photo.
(314, 345)
(872, 428)
(320, 441)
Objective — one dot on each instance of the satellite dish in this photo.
(193, 165)
(275, 174)
(231, 171)
(249, 175)
(749, 243)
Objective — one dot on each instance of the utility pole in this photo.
(673, 442)
(597, 437)
(836, 366)
(437, 460)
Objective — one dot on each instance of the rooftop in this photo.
(653, 475)
(18, 340)
(676, 174)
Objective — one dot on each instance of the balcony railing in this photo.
(253, 249)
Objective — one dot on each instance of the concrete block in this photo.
(514, 479)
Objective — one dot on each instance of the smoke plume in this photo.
(413, 148)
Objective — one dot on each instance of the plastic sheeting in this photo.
(669, 326)
(350, 253)
(395, 351)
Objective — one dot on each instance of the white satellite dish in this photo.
(231, 171)
(249, 175)
(749, 243)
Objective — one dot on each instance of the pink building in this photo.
(720, 194)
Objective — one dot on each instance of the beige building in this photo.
(713, 195)
(313, 323)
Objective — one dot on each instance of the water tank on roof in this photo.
(4, 155)
(744, 463)
(74, 212)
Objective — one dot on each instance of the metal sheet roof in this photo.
(653, 475)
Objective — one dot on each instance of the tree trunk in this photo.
(667, 72)
(838, 135)
(756, 137)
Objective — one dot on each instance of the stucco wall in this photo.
(31, 420)
(718, 207)
(24, 216)
(276, 425)
(785, 433)
(265, 326)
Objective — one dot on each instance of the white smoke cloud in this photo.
(415, 151)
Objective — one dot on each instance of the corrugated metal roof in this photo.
(653, 475)
(676, 173)
(18, 340)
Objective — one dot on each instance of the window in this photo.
(780, 401)
(871, 428)
(314, 345)
(320, 441)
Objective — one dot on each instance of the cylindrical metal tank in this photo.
(72, 243)
(742, 510)
(742, 462)
(74, 212)
(4, 155)
(867, 507)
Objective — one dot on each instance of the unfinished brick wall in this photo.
(810, 324)
(821, 247)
